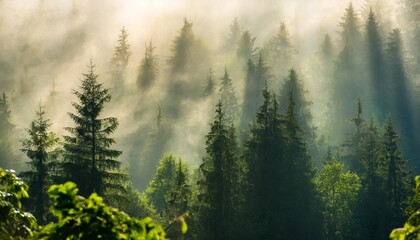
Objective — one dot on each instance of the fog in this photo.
(47, 44)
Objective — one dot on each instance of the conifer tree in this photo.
(280, 51)
(228, 98)
(40, 148)
(327, 49)
(246, 49)
(397, 175)
(373, 206)
(222, 174)
(232, 40)
(376, 63)
(350, 32)
(301, 198)
(257, 75)
(90, 161)
(7, 157)
(264, 149)
(148, 69)
(120, 58)
(401, 93)
(209, 89)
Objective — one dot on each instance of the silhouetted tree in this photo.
(228, 98)
(246, 49)
(148, 69)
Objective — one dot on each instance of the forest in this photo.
(186, 119)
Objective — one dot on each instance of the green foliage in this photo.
(222, 180)
(91, 218)
(40, 148)
(411, 229)
(339, 192)
(89, 159)
(14, 222)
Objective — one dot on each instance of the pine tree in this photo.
(257, 76)
(373, 207)
(264, 155)
(350, 32)
(7, 157)
(401, 93)
(121, 56)
(232, 40)
(327, 49)
(154, 149)
(376, 66)
(397, 182)
(40, 148)
(301, 198)
(228, 98)
(280, 51)
(148, 70)
(181, 48)
(222, 172)
(246, 49)
(89, 160)
(209, 89)
(352, 144)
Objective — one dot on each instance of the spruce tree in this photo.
(41, 148)
(257, 76)
(148, 70)
(120, 58)
(397, 175)
(222, 174)
(264, 149)
(90, 161)
(300, 194)
(209, 89)
(7, 158)
(350, 32)
(232, 40)
(280, 51)
(228, 98)
(400, 90)
(246, 49)
(373, 206)
(376, 65)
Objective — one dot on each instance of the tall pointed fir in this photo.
(119, 60)
(232, 40)
(221, 180)
(90, 161)
(41, 149)
(263, 152)
(401, 93)
(228, 98)
(302, 106)
(348, 82)
(376, 68)
(7, 157)
(257, 75)
(246, 48)
(280, 51)
(148, 69)
(209, 89)
(300, 195)
(373, 207)
(351, 145)
(397, 175)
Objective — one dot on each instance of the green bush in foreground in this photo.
(91, 218)
(14, 222)
(411, 229)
